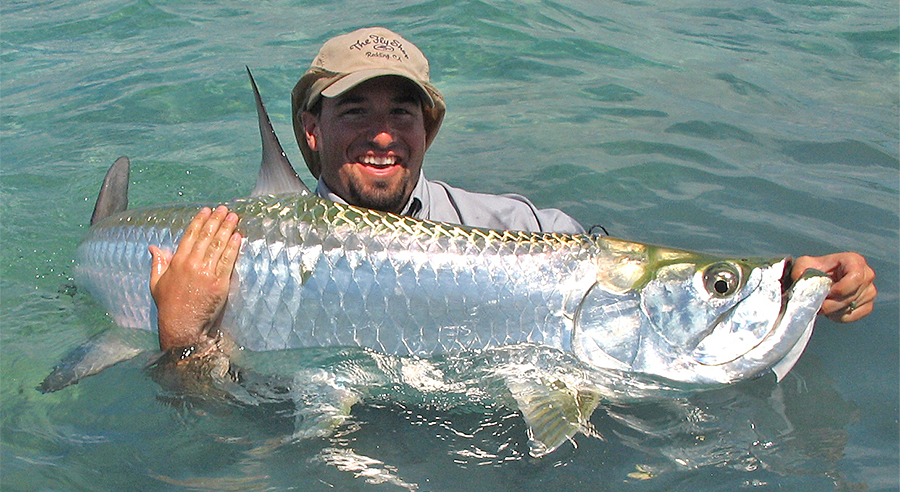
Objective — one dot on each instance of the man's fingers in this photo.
(205, 238)
(856, 279)
(851, 308)
(229, 256)
(219, 241)
(192, 231)
(207, 232)
(159, 264)
(853, 294)
(850, 312)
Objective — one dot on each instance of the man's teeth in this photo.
(379, 161)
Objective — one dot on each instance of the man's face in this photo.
(371, 142)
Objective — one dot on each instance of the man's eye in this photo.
(407, 110)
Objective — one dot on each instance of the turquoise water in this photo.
(747, 127)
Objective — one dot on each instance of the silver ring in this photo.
(851, 307)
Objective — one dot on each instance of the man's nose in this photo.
(383, 139)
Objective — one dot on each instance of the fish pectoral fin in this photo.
(322, 404)
(553, 411)
(103, 350)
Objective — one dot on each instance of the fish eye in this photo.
(722, 279)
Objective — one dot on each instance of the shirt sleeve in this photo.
(510, 212)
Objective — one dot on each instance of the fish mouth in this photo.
(774, 342)
(786, 284)
(766, 326)
(786, 281)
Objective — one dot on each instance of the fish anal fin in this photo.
(113, 197)
(553, 411)
(276, 175)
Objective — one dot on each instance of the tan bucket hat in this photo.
(346, 61)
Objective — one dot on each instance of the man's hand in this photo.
(853, 293)
(190, 287)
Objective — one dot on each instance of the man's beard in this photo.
(379, 196)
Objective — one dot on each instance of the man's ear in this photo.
(311, 128)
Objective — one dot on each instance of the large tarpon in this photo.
(312, 273)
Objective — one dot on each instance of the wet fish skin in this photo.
(313, 273)
(310, 275)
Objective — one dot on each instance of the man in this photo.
(367, 110)
(364, 115)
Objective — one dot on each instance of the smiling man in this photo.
(364, 115)
(373, 142)
(365, 112)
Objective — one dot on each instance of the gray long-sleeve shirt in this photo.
(438, 201)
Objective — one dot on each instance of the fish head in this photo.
(695, 319)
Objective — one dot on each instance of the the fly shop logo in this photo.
(381, 47)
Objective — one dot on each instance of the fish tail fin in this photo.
(276, 175)
(103, 350)
(113, 197)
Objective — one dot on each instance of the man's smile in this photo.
(379, 161)
(380, 165)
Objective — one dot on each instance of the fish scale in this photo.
(314, 273)
(642, 320)
(400, 286)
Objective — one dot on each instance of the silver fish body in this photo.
(619, 320)
(312, 273)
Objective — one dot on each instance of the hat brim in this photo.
(351, 80)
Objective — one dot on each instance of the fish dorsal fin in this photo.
(553, 411)
(276, 175)
(113, 197)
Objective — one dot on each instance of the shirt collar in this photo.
(325, 192)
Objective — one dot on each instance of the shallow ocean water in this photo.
(752, 127)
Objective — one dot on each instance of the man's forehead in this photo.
(398, 89)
